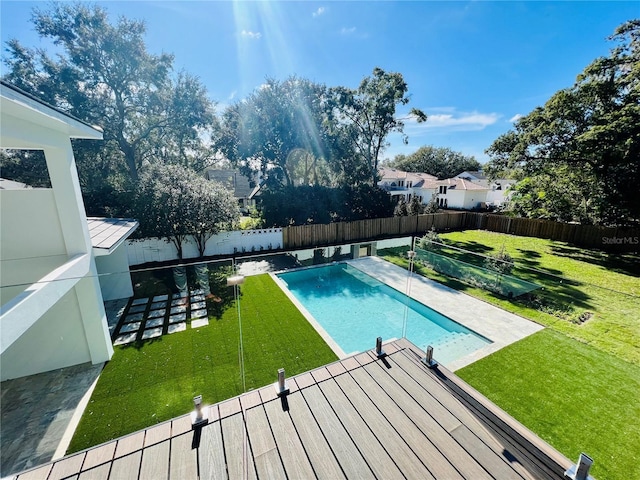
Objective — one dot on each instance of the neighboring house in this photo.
(461, 194)
(404, 185)
(498, 189)
(450, 193)
(52, 313)
(237, 184)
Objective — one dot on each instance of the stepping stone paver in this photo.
(197, 298)
(200, 322)
(140, 301)
(130, 327)
(198, 313)
(177, 327)
(160, 298)
(198, 305)
(123, 339)
(155, 305)
(152, 333)
(178, 309)
(137, 308)
(178, 317)
(199, 291)
(157, 322)
(136, 317)
(156, 313)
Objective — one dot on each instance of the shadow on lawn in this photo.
(625, 263)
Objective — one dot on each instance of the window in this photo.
(409, 184)
(401, 183)
(443, 189)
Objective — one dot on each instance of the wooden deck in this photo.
(361, 417)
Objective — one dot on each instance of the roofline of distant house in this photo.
(11, 86)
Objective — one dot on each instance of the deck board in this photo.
(126, 468)
(211, 453)
(67, 467)
(263, 445)
(362, 417)
(349, 457)
(292, 452)
(236, 447)
(395, 444)
(324, 462)
(376, 456)
(408, 414)
(97, 473)
(183, 463)
(155, 461)
(99, 455)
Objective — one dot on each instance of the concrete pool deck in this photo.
(501, 327)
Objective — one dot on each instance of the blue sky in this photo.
(471, 66)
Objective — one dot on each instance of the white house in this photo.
(461, 194)
(404, 185)
(52, 313)
(498, 189)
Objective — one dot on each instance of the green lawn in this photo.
(573, 396)
(156, 380)
(576, 385)
(575, 281)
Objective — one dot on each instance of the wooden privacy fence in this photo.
(588, 236)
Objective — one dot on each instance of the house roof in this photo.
(20, 104)
(108, 233)
(363, 416)
(461, 184)
(419, 180)
(472, 175)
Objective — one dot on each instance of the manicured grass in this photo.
(575, 281)
(156, 380)
(573, 396)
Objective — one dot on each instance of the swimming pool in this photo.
(355, 309)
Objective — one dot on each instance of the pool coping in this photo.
(502, 328)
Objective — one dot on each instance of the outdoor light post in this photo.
(236, 280)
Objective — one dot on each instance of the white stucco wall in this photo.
(29, 224)
(57, 340)
(465, 199)
(114, 276)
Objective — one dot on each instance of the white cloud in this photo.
(447, 118)
(318, 12)
(232, 95)
(251, 35)
(348, 31)
(516, 117)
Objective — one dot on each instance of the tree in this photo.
(104, 75)
(592, 127)
(175, 203)
(367, 115)
(440, 162)
(267, 132)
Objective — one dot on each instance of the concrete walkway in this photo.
(499, 326)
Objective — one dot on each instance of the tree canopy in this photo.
(175, 203)
(367, 115)
(267, 131)
(589, 133)
(440, 162)
(104, 74)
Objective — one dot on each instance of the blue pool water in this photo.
(355, 309)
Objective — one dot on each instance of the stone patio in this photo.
(147, 318)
